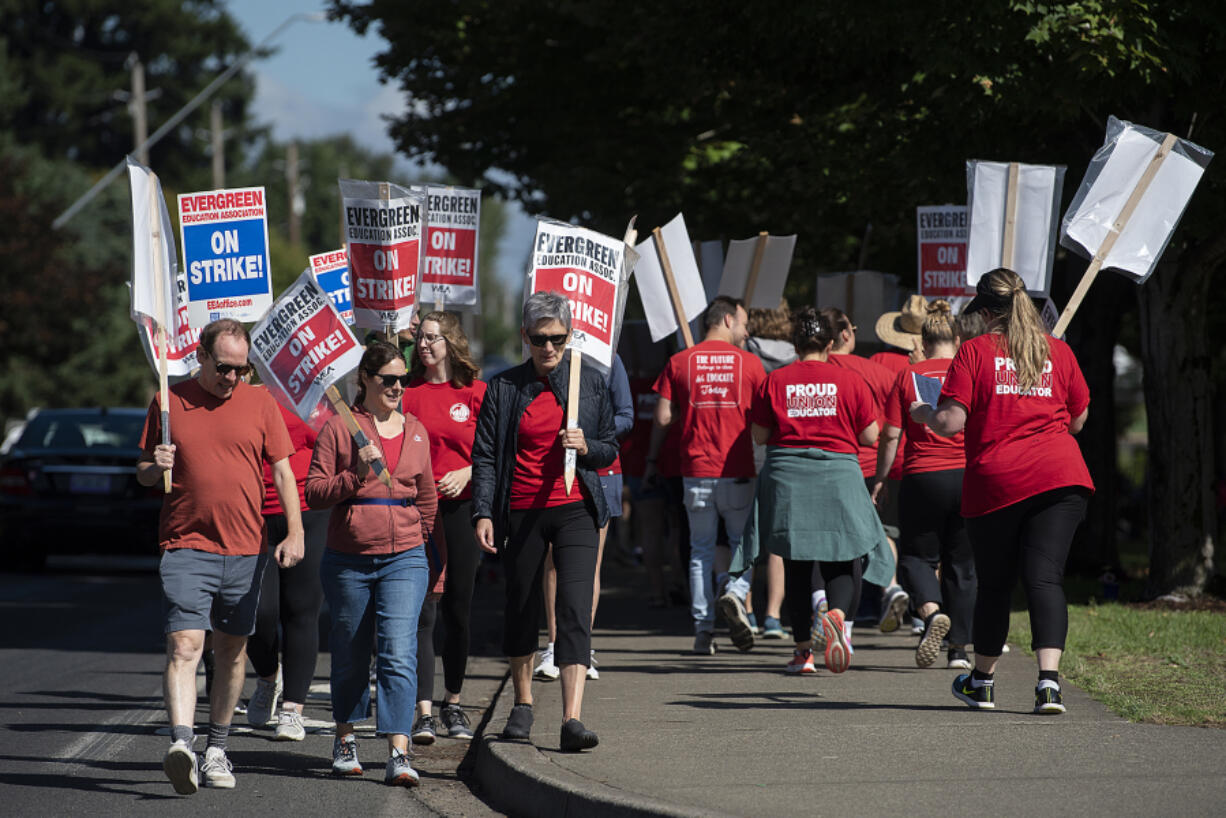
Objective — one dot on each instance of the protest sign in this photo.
(303, 346)
(710, 256)
(183, 338)
(453, 220)
(756, 269)
(383, 230)
(1129, 203)
(941, 232)
(864, 296)
(331, 270)
(1013, 218)
(669, 283)
(225, 254)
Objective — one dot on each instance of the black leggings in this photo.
(287, 621)
(934, 534)
(463, 560)
(571, 530)
(1033, 535)
(842, 591)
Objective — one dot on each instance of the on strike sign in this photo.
(331, 270)
(942, 232)
(225, 254)
(302, 347)
(587, 267)
(453, 219)
(383, 228)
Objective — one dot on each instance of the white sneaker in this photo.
(592, 672)
(263, 702)
(179, 764)
(894, 602)
(216, 770)
(290, 727)
(547, 671)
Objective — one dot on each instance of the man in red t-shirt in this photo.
(707, 390)
(211, 533)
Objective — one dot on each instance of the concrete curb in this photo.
(522, 780)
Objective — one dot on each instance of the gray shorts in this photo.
(612, 485)
(203, 591)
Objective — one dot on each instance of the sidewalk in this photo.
(732, 734)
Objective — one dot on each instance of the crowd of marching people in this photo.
(770, 447)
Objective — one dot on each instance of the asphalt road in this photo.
(83, 729)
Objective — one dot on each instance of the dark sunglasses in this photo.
(226, 369)
(541, 340)
(391, 380)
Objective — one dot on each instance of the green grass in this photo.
(1146, 664)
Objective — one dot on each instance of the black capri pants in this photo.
(842, 590)
(571, 530)
(934, 535)
(1032, 536)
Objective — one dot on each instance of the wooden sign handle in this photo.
(359, 437)
(671, 283)
(751, 283)
(161, 336)
(572, 416)
(1121, 221)
(1007, 240)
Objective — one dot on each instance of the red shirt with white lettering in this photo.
(1017, 446)
(814, 405)
(449, 414)
(880, 383)
(711, 386)
(923, 449)
(539, 478)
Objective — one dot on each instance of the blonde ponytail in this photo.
(1023, 327)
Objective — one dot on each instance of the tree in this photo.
(821, 119)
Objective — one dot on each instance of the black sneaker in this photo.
(576, 737)
(957, 659)
(454, 722)
(1047, 698)
(424, 729)
(519, 723)
(979, 698)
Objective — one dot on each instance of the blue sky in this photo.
(322, 80)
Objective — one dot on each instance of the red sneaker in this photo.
(802, 662)
(838, 652)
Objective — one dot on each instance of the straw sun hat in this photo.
(902, 329)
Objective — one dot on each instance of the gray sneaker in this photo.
(179, 764)
(424, 730)
(455, 722)
(345, 756)
(739, 629)
(400, 772)
(894, 602)
(263, 702)
(704, 643)
(289, 727)
(216, 770)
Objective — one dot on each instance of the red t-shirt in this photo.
(711, 386)
(1017, 446)
(391, 450)
(880, 383)
(896, 361)
(633, 454)
(303, 438)
(218, 489)
(925, 450)
(449, 414)
(814, 405)
(539, 480)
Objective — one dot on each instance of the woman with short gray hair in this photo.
(521, 507)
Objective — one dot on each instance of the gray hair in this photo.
(546, 306)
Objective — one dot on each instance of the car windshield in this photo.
(82, 431)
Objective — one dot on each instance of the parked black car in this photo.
(68, 484)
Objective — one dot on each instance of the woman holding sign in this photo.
(811, 506)
(1020, 396)
(376, 570)
(445, 395)
(521, 505)
(933, 532)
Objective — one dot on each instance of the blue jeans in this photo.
(706, 500)
(375, 596)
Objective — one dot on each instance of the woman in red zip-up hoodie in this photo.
(376, 569)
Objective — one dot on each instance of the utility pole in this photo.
(219, 146)
(291, 184)
(343, 173)
(140, 123)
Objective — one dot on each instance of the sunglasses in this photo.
(541, 340)
(430, 340)
(391, 380)
(226, 369)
